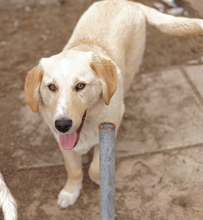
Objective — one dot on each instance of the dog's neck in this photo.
(86, 46)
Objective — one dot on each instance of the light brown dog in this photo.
(85, 84)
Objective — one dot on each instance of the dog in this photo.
(7, 202)
(85, 84)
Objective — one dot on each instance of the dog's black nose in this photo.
(63, 125)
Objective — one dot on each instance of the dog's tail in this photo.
(7, 202)
(170, 24)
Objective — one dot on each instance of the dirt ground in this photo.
(42, 31)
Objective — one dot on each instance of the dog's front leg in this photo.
(94, 172)
(69, 194)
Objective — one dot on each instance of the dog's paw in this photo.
(66, 199)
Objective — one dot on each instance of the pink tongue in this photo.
(67, 141)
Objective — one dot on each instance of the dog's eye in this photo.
(52, 87)
(80, 86)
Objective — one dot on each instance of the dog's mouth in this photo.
(69, 141)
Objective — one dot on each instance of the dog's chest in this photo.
(89, 137)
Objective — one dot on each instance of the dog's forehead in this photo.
(66, 64)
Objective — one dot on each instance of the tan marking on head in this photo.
(106, 72)
(32, 83)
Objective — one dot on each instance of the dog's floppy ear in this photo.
(32, 83)
(106, 72)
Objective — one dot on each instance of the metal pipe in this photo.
(107, 170)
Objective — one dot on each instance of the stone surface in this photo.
(197, 5)
(195, 74)
(165, 112)
(161, 186)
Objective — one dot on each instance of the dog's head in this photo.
(68, 85)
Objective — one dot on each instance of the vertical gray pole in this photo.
(107, 171)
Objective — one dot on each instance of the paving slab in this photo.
(195, 78)
(164, 111)
(163, 186)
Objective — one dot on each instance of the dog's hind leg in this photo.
(71, 191)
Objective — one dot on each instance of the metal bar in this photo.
(107, 171)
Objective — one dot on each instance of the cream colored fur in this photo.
(7, 202)
(104, 53)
